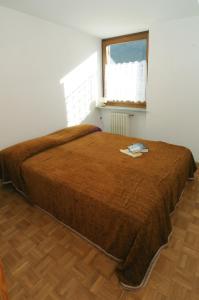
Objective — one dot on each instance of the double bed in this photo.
(119, 203)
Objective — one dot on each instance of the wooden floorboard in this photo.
(43, 260)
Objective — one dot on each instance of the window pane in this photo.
(128, 52)
(126, 71)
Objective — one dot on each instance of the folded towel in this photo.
(134, 155)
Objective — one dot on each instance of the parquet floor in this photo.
(43, 260)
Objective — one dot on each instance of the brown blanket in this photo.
(12, 158)
(120, 203)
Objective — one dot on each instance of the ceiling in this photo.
(106, 18)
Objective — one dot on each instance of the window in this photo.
(125, 69)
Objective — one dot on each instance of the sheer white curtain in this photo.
(126, 81)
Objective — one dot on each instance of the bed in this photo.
(119, 203)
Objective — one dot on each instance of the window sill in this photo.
(122, 108)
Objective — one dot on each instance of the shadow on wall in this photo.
(81, 92)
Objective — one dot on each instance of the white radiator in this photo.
(120, 123)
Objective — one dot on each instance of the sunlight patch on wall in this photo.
(80, 89)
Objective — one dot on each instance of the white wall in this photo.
(173, 86)
(34, 56)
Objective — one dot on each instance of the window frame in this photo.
(119, 40)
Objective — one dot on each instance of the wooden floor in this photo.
(43, 260)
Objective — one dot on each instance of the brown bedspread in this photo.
(121, 204)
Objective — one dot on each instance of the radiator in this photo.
(120, 123)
